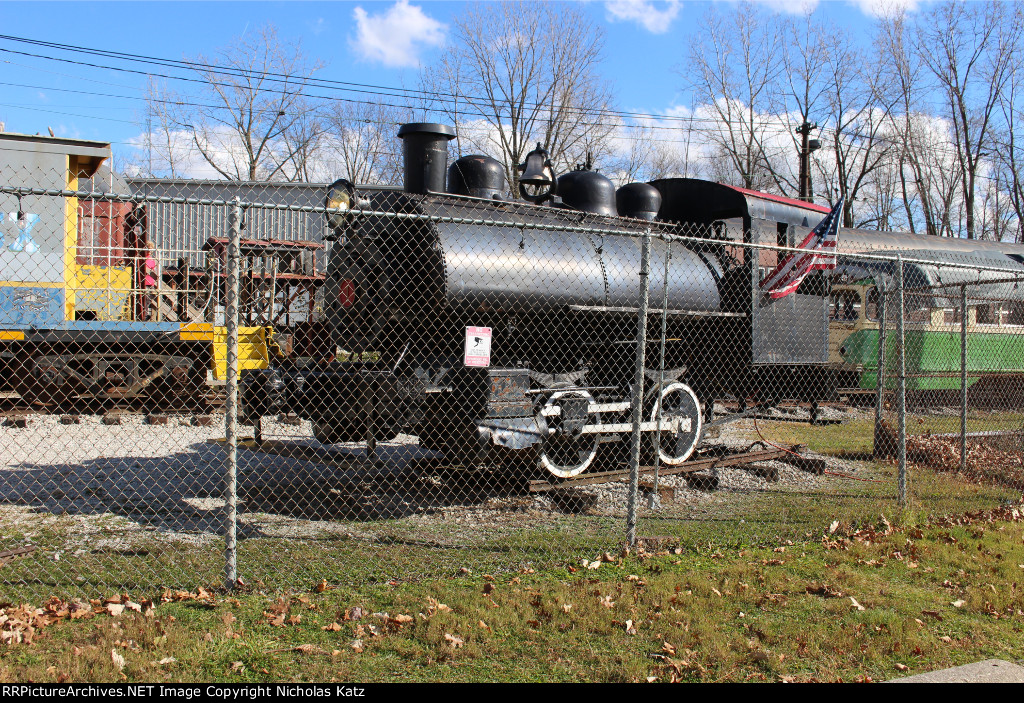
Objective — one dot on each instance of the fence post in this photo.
(880, 375)
(963, 378)
(655, 500)
(901, 391)
(231, 398)
(637, 400)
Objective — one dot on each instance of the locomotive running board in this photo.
(655, 311)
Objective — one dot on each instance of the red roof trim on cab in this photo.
(779, 199)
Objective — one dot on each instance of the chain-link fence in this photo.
(402, 385)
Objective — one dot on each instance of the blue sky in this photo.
(369, 42)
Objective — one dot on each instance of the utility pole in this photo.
(807, 145)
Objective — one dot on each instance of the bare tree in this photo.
(359, 142)
(164, 149)
(857, 115)
(970, 49)
(1010, 144)
(902, 80)
(521, 74)
(299, 149)
(734, 69)
(248, 121)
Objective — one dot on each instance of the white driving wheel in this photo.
(677, 403)
(567, 451)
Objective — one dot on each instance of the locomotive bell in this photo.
(536, 169)
(538, 181)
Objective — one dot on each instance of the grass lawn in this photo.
(774, 584)
(876, 604)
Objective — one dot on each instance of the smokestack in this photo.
(425, 151)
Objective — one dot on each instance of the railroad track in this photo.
(12, 405)
(789, 455)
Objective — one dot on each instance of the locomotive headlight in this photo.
(341, 197)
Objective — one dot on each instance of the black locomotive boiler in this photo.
(418, 276)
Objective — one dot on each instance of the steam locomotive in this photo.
(547, 285)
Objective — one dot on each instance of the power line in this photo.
(362, 88)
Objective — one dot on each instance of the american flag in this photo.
(819, 254)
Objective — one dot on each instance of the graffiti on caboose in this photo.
(25, 222)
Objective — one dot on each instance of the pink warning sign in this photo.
(478, 346)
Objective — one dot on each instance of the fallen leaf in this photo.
(902, 667)
(114, 609)
(958, 603)
(118, 660)
(356, 645)
(833, 527)
(165, 661)
(434, 605)
(566, 607)
(305, 648)
(454, 641)
(237, 666)
(855, 604)
(630, 628)
(824, 590)
(607, 602)
(333, 627)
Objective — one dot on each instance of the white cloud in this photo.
(654, 17)
(791, 7)
(886, 8)
(396, 36)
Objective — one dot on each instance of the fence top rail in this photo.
(659, 233)
(1019, 278)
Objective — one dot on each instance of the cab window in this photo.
(844, 306)
(871, 309)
